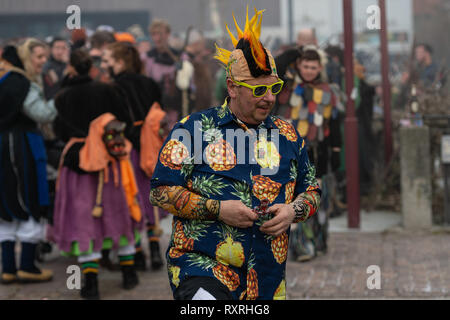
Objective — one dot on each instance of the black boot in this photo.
(9, 269)
(155, 255)
(89, 291)
(139, 261)
(28, 271)
(129, 276)
(105, 261)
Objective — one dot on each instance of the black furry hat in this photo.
(10, 54)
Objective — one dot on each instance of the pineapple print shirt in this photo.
(202, 155)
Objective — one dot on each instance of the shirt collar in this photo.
(225, 115)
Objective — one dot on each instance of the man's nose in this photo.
(269, 96)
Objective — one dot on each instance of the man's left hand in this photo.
(283, 216)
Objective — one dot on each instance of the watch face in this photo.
(114, 138)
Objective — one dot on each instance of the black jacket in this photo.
(19, 182)
(13, 91)
(81, 101)
(140, 93)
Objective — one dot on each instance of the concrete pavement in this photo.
(412, 265)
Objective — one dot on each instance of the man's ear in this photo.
(232, 89)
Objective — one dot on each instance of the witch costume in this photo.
(96, 205)
(141, 93)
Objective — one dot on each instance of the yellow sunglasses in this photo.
(260, 89)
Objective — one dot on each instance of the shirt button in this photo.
(254, 236)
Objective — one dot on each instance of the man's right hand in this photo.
(236, 214)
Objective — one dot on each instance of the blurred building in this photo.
(432, 22)
(47, 17)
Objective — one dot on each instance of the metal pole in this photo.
(385, 83)
(351, 123)
(445, 157)
(290, 21)
(446, 168)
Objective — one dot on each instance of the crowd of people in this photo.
(84, 119)
(79, 121)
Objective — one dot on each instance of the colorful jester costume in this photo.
(315, 114)
(191, 179)
(313, 110)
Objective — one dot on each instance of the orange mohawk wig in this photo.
(256, 56)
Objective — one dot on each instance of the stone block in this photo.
(415, 170)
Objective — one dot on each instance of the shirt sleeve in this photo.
(306, 178)
(37, 108)
(307, 190)
(183, 203)
(169, 187)
(175, 159)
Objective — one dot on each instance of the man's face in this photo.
(160, 38)
(113, 66)
(114, 138)
(60, 51)
(144, 46)
(306, 37)
(420, 54)
(251, 109)
(309, 69)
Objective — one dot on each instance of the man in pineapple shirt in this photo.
(234, 199)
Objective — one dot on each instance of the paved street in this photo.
(412, 264)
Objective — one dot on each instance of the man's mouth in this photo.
(265, 108)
